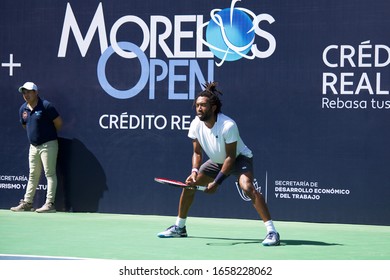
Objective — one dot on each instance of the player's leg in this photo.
(246, 183)
(243, 169)
(187, 197)
(179, 228)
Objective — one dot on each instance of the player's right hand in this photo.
(191, 180)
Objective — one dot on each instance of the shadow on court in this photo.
(225, 241)
(240, 241)
(306, 243)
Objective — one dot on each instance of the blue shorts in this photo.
(242, 165)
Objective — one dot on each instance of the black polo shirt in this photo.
(39, 122)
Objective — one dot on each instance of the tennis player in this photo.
(217, 135)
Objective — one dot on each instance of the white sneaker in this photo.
(173, 231)
(272, 239)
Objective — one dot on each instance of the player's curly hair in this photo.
(210, 91)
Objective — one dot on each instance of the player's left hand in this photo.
(211, 188)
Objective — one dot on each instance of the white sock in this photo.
(269, 225)
(180, 222)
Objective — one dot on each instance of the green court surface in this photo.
(133, 237)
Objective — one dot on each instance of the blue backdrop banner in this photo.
(308, 83)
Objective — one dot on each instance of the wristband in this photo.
(220, 178)
(196, 170)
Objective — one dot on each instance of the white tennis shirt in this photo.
(213, 140)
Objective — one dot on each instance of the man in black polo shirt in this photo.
(41, 121)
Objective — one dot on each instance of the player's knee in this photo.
(245, 183)
(247, 188)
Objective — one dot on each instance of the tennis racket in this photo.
(179, 184)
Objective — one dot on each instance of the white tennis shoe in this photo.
(173, 231)
(272, 239)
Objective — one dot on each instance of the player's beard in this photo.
(205, 116)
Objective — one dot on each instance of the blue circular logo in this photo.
(230, 34)
(101, 71)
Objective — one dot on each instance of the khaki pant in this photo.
(43, 155)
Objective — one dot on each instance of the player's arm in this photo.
(197, 154)
(231, 150)
(196, 161)
(58, 123)
(227, 166)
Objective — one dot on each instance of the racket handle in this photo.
(201, 188)
(198, 188)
